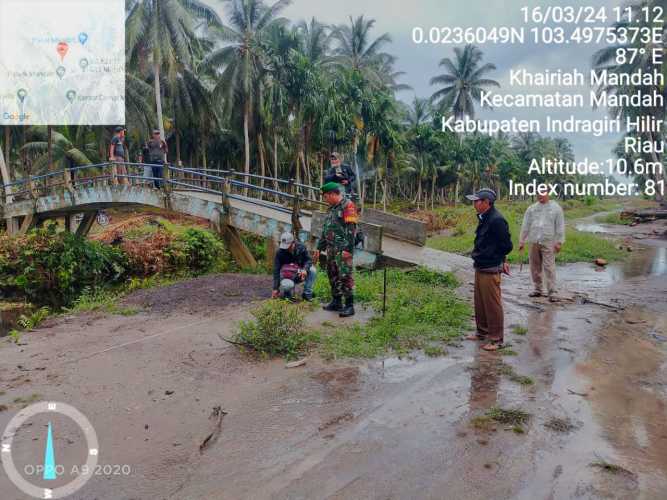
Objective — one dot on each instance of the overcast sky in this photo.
(420, 62)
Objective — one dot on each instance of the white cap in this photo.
(286, 239)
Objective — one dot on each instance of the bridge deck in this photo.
(402, 252)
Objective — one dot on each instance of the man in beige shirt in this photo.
(544, 228)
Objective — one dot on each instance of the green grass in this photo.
(519, 330)
(516, 418)
(434, 351)
(102, 300)
(422, 310)
(579, 246)
(509, 372)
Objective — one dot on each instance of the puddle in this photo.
(650, 262)
(592, 227)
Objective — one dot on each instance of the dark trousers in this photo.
(157, 173)
(489, 314)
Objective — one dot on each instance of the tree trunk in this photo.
(375, 189)
(158, 98)
(275, 162)
(262, 166)
(246, 138)
(355, 145)
(177, 135)
(6, 178)
(433, 179)
(321, 173)
(8, 145)
(49, 142)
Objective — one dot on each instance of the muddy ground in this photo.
(381, 429)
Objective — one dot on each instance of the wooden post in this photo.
(231, 236)
(86, 224)
(271, 249)
(28, 223)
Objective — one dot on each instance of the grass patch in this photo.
(506, 351)
(434, 351)
(557, 424)
(102, 300)
(519, 330)
(509, 372)
(483, 423)
(611, 468)
(514, 417)
(579, 246)
(422, 309)
(496, 415)
(277, 330)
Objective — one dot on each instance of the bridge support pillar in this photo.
(28, 223)
(12, 225)
(271, 249)
(237, 248)
(86, 224)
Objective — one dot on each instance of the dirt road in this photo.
(385, 429)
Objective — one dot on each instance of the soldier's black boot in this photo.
(348, 310)
(335, 305)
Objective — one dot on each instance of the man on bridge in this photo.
(340, 173)
(338, 240)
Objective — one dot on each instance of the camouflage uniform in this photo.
(338, 234)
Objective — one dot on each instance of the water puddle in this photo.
(592, 227)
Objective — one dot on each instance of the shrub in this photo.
(278, 329)
(196, 249)
(50, 268)
(149, 255)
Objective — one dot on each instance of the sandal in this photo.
(535, 294)
(475, 337)
(493, 346)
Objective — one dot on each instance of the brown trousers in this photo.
(543, 258)
(489, 306)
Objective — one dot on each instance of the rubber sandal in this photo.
(535, 294)
(475, 337)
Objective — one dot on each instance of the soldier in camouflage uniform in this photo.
(338, 238)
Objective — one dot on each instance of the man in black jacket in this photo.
(291, 265)
(492, 244)
(341, 173)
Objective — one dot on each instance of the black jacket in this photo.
(300, 256)
(346, 173)
(492, 240)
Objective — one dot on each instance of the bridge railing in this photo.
(288, 195)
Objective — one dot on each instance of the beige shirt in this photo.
(543, 223)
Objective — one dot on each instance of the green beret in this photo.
(331, 186)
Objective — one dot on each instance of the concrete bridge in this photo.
(209, 195)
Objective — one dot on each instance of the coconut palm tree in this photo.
(243, 57)
(463, 82)
(160, 34)
(358, 51)
(462, 85)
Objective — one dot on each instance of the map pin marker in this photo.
(21, 94)
(62, 48)
(61, 71)
(83, 38)
(83, 63)
(71, 95)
